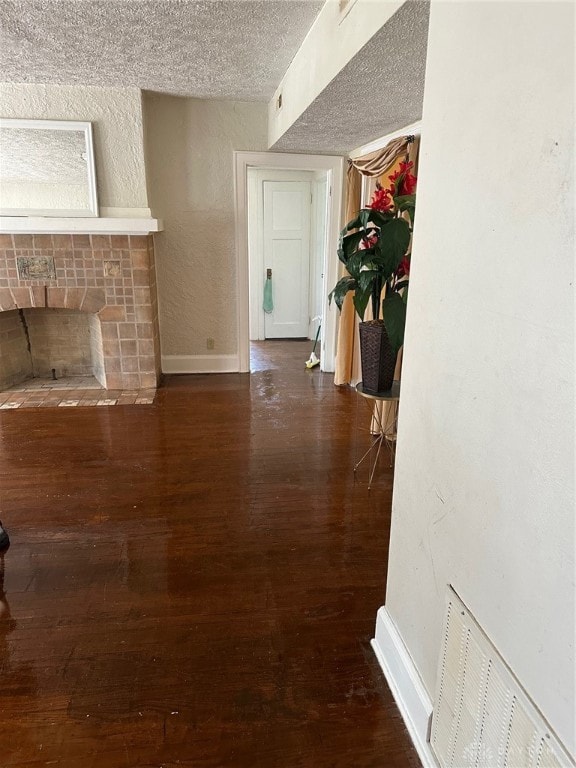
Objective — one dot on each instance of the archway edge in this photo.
(82, 299)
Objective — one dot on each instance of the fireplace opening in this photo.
(44, 343)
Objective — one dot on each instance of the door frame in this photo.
(335, 177)
(256, 240)
(320, 178)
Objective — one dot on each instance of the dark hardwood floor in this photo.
(195, 582)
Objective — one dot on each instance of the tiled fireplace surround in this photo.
(111, 277)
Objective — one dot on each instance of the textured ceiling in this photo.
(380, 90)
(219, 49)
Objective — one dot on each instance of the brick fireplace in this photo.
(79, 304)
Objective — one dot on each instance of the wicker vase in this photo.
(377, 357)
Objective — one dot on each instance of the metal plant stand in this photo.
(382, 426)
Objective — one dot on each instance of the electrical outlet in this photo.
(209, 343)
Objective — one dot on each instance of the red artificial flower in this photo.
(381, 200)
(368, 242)
(403, 267)
(408, 186)
(407, 180)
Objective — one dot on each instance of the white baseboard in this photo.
(404, 681)
(200, 364)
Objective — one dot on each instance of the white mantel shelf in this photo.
(43, 225)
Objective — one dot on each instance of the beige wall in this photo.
(189, 160)
(484, 482)
(116, 116)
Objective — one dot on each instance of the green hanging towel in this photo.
(268, 304)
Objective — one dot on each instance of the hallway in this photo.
(195, 582)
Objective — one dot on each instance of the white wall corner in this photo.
(200, 364)
(407, 688)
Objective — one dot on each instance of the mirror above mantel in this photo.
(47, 169)
(48, 182)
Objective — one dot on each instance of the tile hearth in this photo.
(74, 391)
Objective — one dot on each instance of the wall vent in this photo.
(482, 716)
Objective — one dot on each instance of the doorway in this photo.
(287, 213)
(327, 172)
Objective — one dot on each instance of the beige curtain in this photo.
(375, 165)
(348, 342)
(379, 162)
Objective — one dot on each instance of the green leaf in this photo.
(406, 203)
(360, 221)
(380, 218)
(366, 279)
(392, 245)
(365, 215)
(349, 244)
(404, 200)
(351, 241)
(361, 298)
(410, 210)
(394, 314)
(357, 262)
(341, 288)
(354, 223)
(370, 268)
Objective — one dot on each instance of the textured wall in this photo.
(116, 115)
(484, 485)
(189, 146)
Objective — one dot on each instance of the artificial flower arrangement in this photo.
(374, 248)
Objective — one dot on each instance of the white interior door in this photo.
(286, 250)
